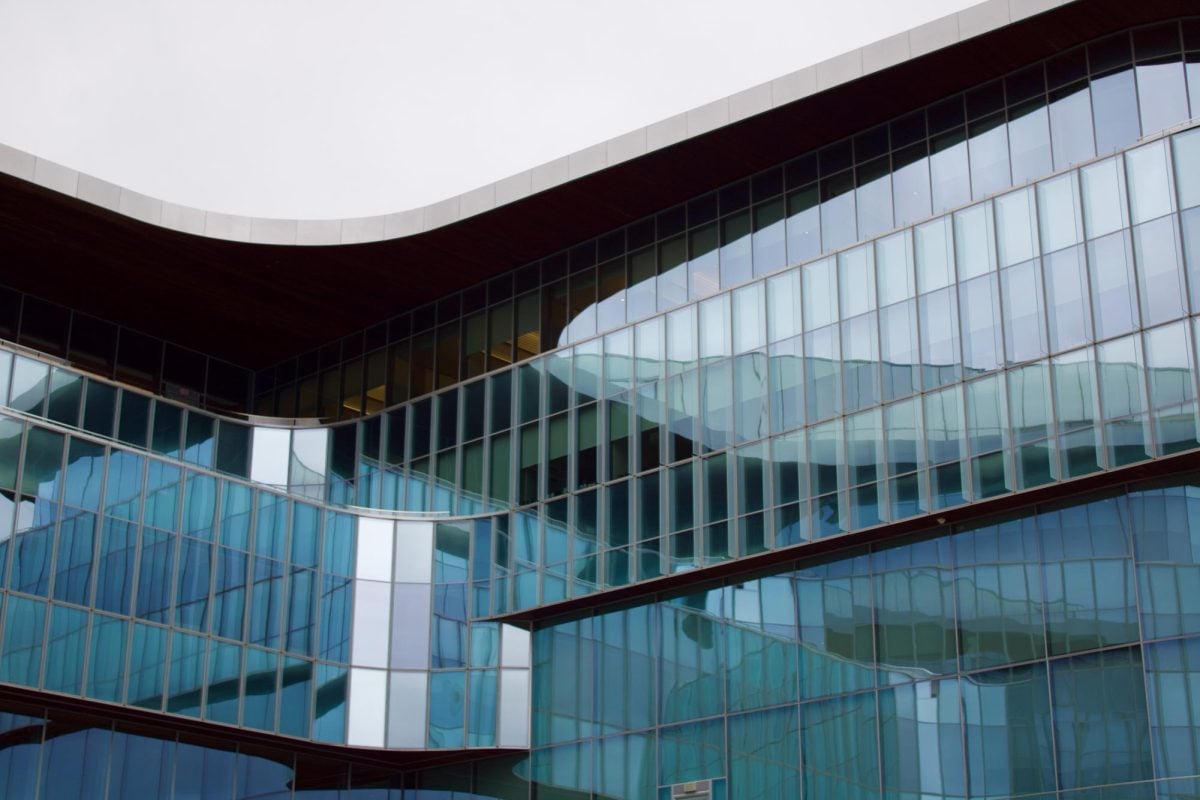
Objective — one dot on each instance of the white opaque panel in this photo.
(310, 454)
(410, 626)
(414, 552)
(374, 558)
(514, 708)
(367, 715)
(372, 602)
(514, 646)
(406, 706)
(269, 451)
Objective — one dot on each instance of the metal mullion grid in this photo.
(131, 612)
(285, 597)
(1128, 521)
(315, 652)
(53, 552)
(1139, 329)
(101, 516)
(1176, 200)
(1089, 343)
(882, 479)
(921, 428)
(1008, 449)
(959, 385)
(952, 568)
(1013, 448)
(869, 554)
(1046, 658)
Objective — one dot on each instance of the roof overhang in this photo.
(255, 303)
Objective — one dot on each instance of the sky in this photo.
(314, 110)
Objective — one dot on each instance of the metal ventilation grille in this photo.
(693, 790)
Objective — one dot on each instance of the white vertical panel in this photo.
(514, 646)
(374, 558)
(407, 706)
(410, 625)
(414, 552)
(372, 604)
(368, 705)
(269, 452)
(514, 708)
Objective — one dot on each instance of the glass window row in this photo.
(938, 158)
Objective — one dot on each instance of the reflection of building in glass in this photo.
(863, 470)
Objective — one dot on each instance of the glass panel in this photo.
(921, 739)
(1187, 167)
(1024, 315)
(769, 238)
(1016, 229)
(783, 306)
(1071, 136)
(735, 250)
(1171, 675)
(910, 184)
(838, 227)
(1114, 105)
(1162, 95)
(1101, 727)
(1058, 212)
(949, 171)
(856, 278)
(1172, 387)
(703, 270)
(934, 255)
(1150, 194)
(1160, 274)
(748, 318)
(803, 224)
(988, 148)
(894, 266)
(1029, 139)
(1104, 201)
(1114, 295)
(981, 340)
(939, 337)
(900, 353)
(839, 747)
(819, 294)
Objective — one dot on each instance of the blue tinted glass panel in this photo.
(65, 643)
(147, 660)
(155, 567)
(295, 702)
(259, 689)
(224, 682)
(1101, 727)
(839, 751)
(106, 658)
(73, 567)
(141, 767)
(85, 471)
(1172, 675)
(21, 651)
(75, 765)
(1008, 732)
(185, 679)
(329, 711)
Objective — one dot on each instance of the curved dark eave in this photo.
(255, 304)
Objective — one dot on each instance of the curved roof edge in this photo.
(823, 76)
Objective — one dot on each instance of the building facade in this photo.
(871, 472)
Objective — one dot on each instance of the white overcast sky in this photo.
(341, 108)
